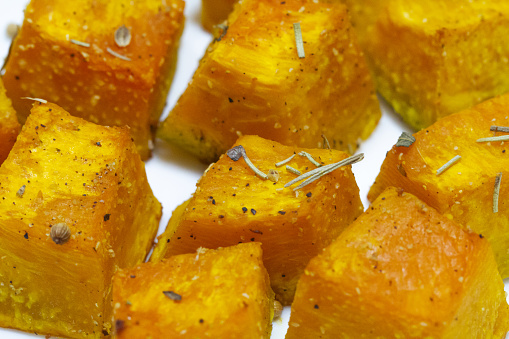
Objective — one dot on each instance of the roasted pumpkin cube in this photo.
(215, 12)
(109, 62)
(75, 205)
(435, 58)
(9, 125)
(465, 190)
(232, 205)
(401, 270)
(252, 81)
(223, 293)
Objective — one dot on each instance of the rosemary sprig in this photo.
(496, 191)
(298, 40)
(319, 172)
(325, 142)
(448, 164)
(80, 43)
(310, 158)
(293, 170)
(117, 55)
(287, 160)
(238, 152)
(499, 129)
(405, 139)
(499, 138)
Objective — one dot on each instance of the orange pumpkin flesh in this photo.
(9, 126)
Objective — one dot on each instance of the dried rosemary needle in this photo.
(298, 40)
(310, 158)
(238, 152)
(496, 192)
(448, 164)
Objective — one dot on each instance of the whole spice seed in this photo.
(122, 36)
(12, 30)
(405, 139)
(293, 170)
(499, 129)
(117, 55)
(448, 164)
(298, 40)
(287, 160)
(60, 233)
(273, 175)
(172, 295)
(278, 310)
(80, 43)
(21, 191)
(499, 138)
(310, 158)
(496, 192)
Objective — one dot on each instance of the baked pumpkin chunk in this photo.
(465, 191)
(435, 58)
(223, 293)
(214, 12)
(75, 205)
(109, 62)
(9, 125)
(232, 204)
(253, 80)
(401, 270)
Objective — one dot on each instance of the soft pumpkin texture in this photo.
(9, 125)
(434, 58)
(91, 178)
(89, 82)
(401, 270)
(225, 293)
(232, 205)
(251, 81)
(464, 192)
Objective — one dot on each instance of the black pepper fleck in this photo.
(253, 211)
(106, 217)
(26, 235)
(308, 194)
(317, 307)
(244, 209)
(173, 296)
(282, 212)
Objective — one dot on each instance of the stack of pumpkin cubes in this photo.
(280, 102)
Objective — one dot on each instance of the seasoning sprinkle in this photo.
(448, 164)
(405, 139)
(298, 40)
(293, 170)
(21, 191)
(122, 36)
(115, 54)
(35, 99)
(496, 191)
(325, 142)
(80, 43)
(317, 173)
(499, 138)
(60, 233)
(172, 295)
(499, 129)
(273, 175)
(310, 158)
(287, 160)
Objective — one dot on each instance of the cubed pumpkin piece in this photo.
(435, 58)
(465, 190)
(109, 62)
(252, 81)
(223, 293)
(9, 125)
(214, 12)
(401, 270)
(232, 205)
(75, 205)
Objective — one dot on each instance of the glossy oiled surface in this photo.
(232, 205)
(401, 268)
(63, 169)
(465, 190)
(220, 298)
(90, 82)
(253, 82)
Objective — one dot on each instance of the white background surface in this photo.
(173, 173)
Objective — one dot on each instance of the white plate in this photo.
(173, 173)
